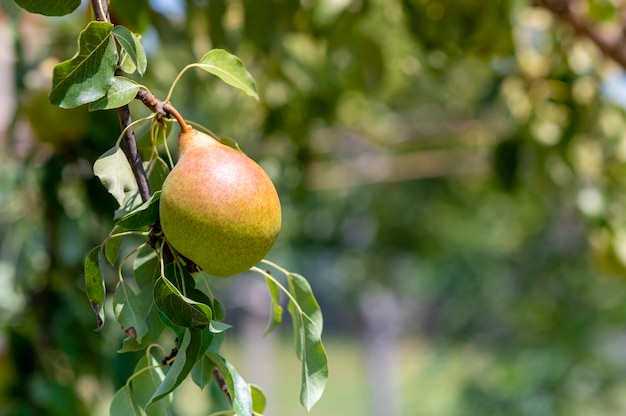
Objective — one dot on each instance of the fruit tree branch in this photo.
(101, 13)
(611, 45)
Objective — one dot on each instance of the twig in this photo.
(611, 46)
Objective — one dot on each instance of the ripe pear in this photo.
(218, 207)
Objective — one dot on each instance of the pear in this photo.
(218, 207)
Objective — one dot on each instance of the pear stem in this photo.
(184, 127)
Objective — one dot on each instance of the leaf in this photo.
(49, 7)
(237, 386)
(153, 321)
(94, 283)
(307, 321)
(89, 74)
(131, 44)
(145, 383)
(115, 173)
(276, 311)
(123, 404)
(121, 92)
(229, 69)
(259, 402)
(129, 311)
(112, 245)
(146, 266)
(179, 309)
(157, 171)
(142, 216)
(188, 355)
(202, 372)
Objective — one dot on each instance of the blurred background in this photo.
(453, 179)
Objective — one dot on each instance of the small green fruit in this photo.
(218, 207)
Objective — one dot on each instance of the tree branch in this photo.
(611, 44)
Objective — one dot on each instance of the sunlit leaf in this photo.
(237, 386)
(89, 74)
(121, 92)
(94, 283)
(229, 69)
(116, 175)
(276, 310)
(131, 44)
(259, 402)
(49, 7)
(307, 320)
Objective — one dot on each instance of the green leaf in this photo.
(202, 372)
(276, 311)
(157, 171)
(307, 321)
(179, 309)
(153, 321)
(188, 355)
(112, 245)
(146, 267)
(115, 173)
(142, 216)
(145, 383)
(259, 402)
(131, 44)
(89, 74)
(237, 387)
(121, 92)
(129, 311)
(94, 283)
(229, 69)
(49, 7)
(123, 404)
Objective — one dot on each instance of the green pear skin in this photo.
(218, 207)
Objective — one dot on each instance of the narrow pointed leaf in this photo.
(229, 69)
(89, 74)
(188, 355)
(259, 401)
(94, 283)
(121, 92)
(308, 322)
(237, 387)
(49, 7)
(131, 44)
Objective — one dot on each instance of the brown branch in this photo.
(611, 46)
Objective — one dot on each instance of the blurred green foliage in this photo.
(462, 155)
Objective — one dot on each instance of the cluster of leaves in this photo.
(160, 290)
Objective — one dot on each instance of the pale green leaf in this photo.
(229, 69)
(116, 175)
(131, 44)
(145, 383)
(121, 92)
(276, 310)
(307, 320)
(89, 74)
(49, 7)
(259, 402)
(123, 404)
(112, 245)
